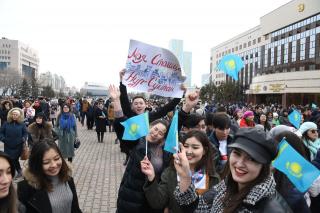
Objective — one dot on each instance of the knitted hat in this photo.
(275, 114)
(247, 114)
(306, 126)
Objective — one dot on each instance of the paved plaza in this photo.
(97, 171)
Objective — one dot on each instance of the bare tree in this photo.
(10, 81)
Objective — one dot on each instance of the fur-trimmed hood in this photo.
(33, 180)
(21, 117)
(3, 103)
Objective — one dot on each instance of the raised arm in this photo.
(124, 100)
(115, 98)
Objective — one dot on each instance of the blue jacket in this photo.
(13, 135)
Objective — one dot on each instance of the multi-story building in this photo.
(55, 81)
(184, 58)
(281, 56)
(19, 57)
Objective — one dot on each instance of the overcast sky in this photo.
(89, 40)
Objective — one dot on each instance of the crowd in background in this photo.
(223, 163)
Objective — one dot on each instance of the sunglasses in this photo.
(313, 131)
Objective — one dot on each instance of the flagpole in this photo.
(146, 147)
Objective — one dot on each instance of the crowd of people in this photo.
(222, 164)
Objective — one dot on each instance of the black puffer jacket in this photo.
(131, 197)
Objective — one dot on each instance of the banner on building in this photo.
(153, 70)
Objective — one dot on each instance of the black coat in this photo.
(131, 197)
(37, 200)
(127, 146)
(100, 122)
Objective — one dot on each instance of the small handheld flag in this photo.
(136, 127)
(299, 171)
(231, 65)
(171, 143)
(295, 118)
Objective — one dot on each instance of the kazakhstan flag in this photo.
(295, 118)
(298, 170)
(231, 65)
(136, 127)
(171, 143)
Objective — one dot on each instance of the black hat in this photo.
(40, 115)
(254, 142)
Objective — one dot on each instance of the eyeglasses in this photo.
(313, 131)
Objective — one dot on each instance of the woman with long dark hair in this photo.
(248, 185)
(47, 185)
(200, 154)
(8, 196)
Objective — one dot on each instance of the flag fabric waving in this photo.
(136, 127)
(171, 143)
(295, 118)
(231, 65)
(298, 170)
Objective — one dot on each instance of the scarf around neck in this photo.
(67, 121)
(313, 147)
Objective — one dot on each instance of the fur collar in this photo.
(33, 128)
(33, 181)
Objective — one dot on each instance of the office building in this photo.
(281, 56)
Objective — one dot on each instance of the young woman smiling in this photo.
(48, 186)
(248, 185)
(8, 196)
(199, 154)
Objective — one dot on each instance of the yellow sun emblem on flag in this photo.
(133, 129)
(231, 64)
(295, 169)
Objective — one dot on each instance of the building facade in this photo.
(56, 82)
(281, 56)
(184, 58)
(94, 89)
(19, 57)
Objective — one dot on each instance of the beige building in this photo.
(15, 55)
(281, 56)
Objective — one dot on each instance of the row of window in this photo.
(6, 45)
(296, 25)
(4, 52)
(234, 49)
(5, 57)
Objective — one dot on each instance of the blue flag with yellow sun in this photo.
(136, 127)
(295, 118)
(171, 143)
(231, 65)
(299, 171)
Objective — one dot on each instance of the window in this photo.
(232, 50)
(240, 47)
(312, 46)
(244, 45)
(303, 49)
(272, 57)
(254, 42)
(259, 39)
(279, 55)
(236, 48)
(294, 51)
(285, 58)
(249, 43)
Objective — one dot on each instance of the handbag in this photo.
(76, 143)
(25, 152)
